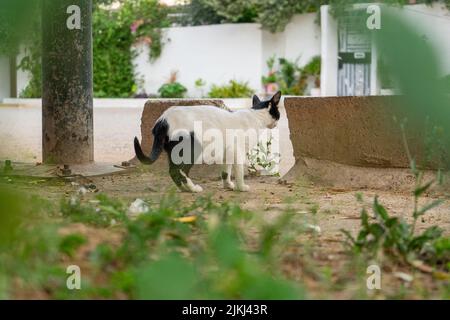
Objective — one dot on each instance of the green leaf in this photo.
(428, 207)
(169, 278)
(420, 190)
(379, 210)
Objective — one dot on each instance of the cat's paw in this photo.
(196, 188)
(190, 187)
(229, 185)
(242, 188)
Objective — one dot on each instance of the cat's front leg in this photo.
(239, 176)
(226, 177)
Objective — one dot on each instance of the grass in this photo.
(173, 251)
(198, 249)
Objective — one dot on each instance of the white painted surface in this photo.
(329, 70)
(216, 54)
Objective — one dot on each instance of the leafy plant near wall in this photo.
(115, 34)
(289, 77)
(273, 15)
(172, 89)
(262, 158)
(113, 68)
(234, 89)
(399, 239)
(31, 62)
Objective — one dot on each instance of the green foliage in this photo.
(199, 12)
(398, 238)
(171, 264)
(105, 212)
(234, 89)
(19, 21)
(113, 68)
(236, 11)
(70, 243)
(290, 78)
(203, 12)
(31, 62)
(175, 250)
(274, 15)
(20, 25)
(172, 90)
(115, 34)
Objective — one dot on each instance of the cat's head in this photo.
(271, 106)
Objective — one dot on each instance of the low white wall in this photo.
(219, 53)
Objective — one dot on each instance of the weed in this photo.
(398, 238)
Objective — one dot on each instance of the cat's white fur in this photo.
(181, 118)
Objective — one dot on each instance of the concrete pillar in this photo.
(67, 98)
(329, 39)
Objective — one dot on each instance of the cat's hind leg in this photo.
(179, 175)
(239, 175)
(226, 176)
(188, 184)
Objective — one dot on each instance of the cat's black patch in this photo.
(271, 104)
(275, 113)
(159, 131)
(174, 168)
(261, 105)
(224, 175)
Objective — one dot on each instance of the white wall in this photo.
(219, 53)
(215, 53)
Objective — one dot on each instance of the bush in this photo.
(234, 89)
(290, 78)
(172, 90)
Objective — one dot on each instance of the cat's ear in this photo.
(276, 98)
(256, 101)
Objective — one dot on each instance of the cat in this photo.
(180, 121)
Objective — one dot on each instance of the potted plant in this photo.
(270, 81)
(172, 89)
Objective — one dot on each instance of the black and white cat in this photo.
(177, 124)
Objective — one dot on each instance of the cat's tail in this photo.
(159, 137)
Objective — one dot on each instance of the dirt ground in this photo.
(329, 209)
